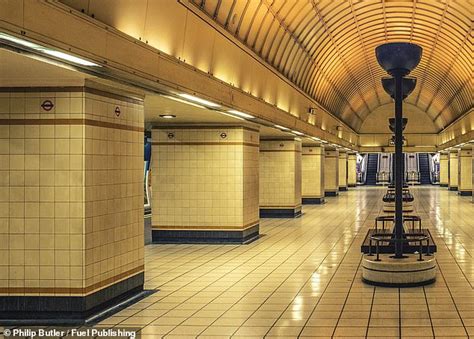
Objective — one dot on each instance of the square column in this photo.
(352, 170)
(205, 184)
(280, 178)
(331, 173)
(443, 169)
(312, 161)
(71, 202)
(453, 170)
(342, 171)
(465, 172)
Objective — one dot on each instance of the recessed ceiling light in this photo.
(241, 114)
(199, 100)
(297, 133)
(167, 116)
(282, 127)
(19, 41)
(69, 57)
(48, 51)
(184, 101)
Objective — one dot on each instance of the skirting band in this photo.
(67, 309)
(170, 236)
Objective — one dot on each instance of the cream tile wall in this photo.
(343, 169)
(351, 170)
(113, 178)
(205, 178)
(453, 169)
(312, 172)
(280, 173)
(444, 169)
(465, 170)
(331, 171)
(68, 193)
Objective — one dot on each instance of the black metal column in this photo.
(398, 167)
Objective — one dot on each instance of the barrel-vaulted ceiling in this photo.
(326, 48)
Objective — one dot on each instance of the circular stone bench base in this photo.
(392, 272)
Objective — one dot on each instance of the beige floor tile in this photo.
(319, 331)
(256, 321)
(220, 330)
(417, 332)
(139, 321)
(152, 329)
(252, 331)
(350, 322)
(168, 321)
(198, 321)
(449, 331)
(279, 331)
(383, 332)
(187, 330)
(350, 331)
(384, 322)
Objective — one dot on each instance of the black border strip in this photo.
(402, 285)
(412, 271)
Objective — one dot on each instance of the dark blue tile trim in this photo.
(205, 237)
(313, 201)
(465, 193)
(280, 213)
(331, 194)
(67, 309)
(343, 188)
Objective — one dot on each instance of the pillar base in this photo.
(453, 188)
(352, 185)
(70, 310)
(280, 212)
(183, 236)
(331, 193)
(390, 272)
(443, 185)
(343, 188)
(313, 201)
(465, 193)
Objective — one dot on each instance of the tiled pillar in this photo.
(453, 170)
(331, 173)
(205, 184)
(443, 169)
(352, 170)
(71, 201)
(280, 178)
(465, 171)
(342, 171)
(312, 163)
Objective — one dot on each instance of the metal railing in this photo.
(383, 177)
(434, 177)
(419, 238)
(412, 176)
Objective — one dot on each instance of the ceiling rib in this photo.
(325, 48)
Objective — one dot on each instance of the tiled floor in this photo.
(303, 279)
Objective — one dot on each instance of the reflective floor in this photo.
(302, 278)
